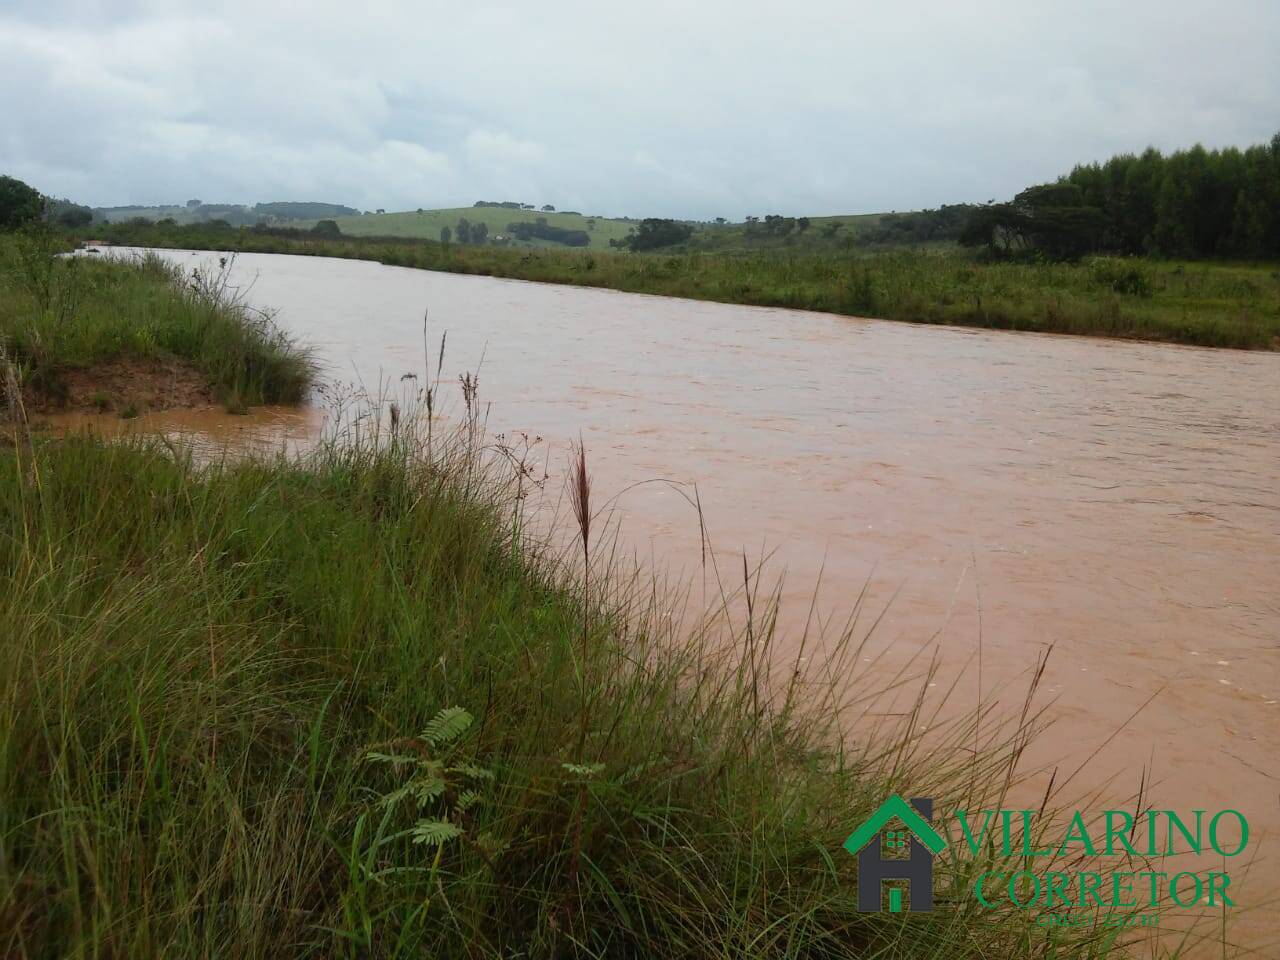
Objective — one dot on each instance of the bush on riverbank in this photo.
(1209, 304)
(63, 317)
(337, 707)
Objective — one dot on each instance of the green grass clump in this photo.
(338, 706)
(1211, 304)
(62, 313)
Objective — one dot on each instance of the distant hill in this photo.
(236, 214)
(539, 228)
(510, 223)
(497, 220)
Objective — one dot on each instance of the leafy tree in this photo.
(67, 214)
(985, 227)
(653, 233)
(543, 231)
(323, 228)
(1050, 220)
(548, 208)
(802, 224)
(1054, 219)
(776, 225)
(463, 230)
(1175, 210)
(75, 217)
(1248, 224)
(19, 203)
(445, 234)
(479, 233)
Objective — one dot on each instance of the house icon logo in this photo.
(867, 843)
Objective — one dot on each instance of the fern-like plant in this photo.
(436, 782)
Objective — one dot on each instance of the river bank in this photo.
(1201, 303)
(135, 335)
(337, 705)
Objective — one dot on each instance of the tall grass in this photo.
(63, 313)
(1208, 304)
(337, 705)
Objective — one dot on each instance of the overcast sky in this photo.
(695, 108)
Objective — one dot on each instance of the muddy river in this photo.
(1117, 501)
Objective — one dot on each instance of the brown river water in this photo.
(1118, 501)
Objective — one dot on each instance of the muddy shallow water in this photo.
(1119, 501)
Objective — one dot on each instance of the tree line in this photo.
(654, 233)
(477, 234)
(543, 231)
(775, 225)
(514, 205)
(20, 203)
(467, 232)
(918, 226)
(1189, 203)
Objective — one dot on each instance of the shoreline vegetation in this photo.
(1202, 303)
(84, 333)
(341, 705)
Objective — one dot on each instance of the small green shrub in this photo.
(1122, 277)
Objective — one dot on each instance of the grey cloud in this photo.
(687, 109)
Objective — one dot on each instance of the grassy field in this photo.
(63, 315)
(708, 237)
(339, 707)
(427, 224)
(826, 234)
(1204, 303)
